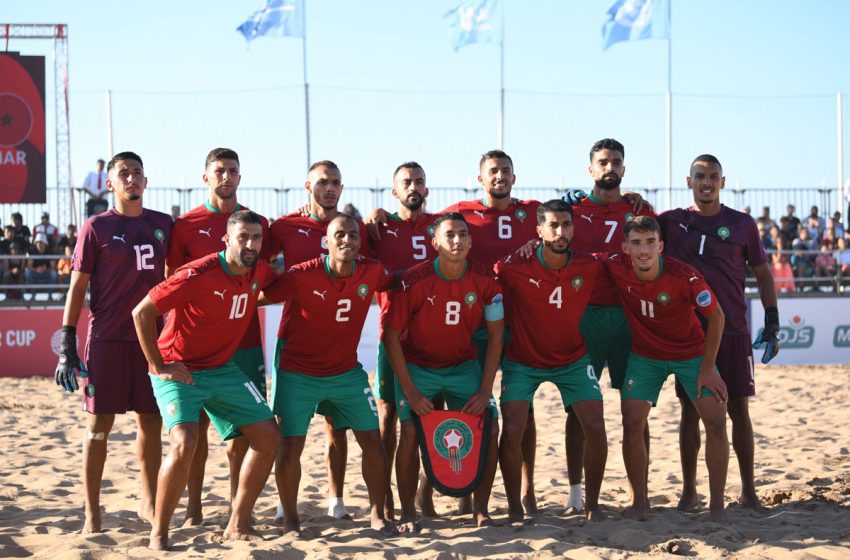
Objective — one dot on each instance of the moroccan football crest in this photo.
(454, 449)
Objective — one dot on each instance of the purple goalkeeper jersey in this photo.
(720, 247)
(125, 258)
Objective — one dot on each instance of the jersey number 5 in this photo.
(419, 248)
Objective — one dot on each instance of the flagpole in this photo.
(669, 102)
(306, 84)
(501, 139)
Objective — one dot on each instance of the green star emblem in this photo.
(664, 298)
(577, 282)
(159, 234)
(520, 214)
(470, 298)
(430, 231)
(254, 286)
(723, 232)
(362, 291)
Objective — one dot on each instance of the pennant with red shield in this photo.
(454, 448)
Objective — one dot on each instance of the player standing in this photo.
(659, 295)
(121, 253)
(721, 243)
(212, 301)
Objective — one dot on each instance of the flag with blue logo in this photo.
(277, 18)
(475, 21)
(631, 20)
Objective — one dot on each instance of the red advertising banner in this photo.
(23, 172)
(29, 340)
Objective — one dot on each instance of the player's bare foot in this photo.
(516, 517)
(145, 513)
(194, 518)
(718, 514)
(689, 501)
(483, 520)
(751, 501)
(408, 524)
(529, 503)
(292, 528)
(635, 513)
(247, 534)
(158, 542)
(572, 510)
(425, 504)
(385, 528)
(92, 524)
(596, 514)
(464, 505)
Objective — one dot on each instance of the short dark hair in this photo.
(607, 144)
(123, 156)
(343, 217)
(244, 217)
(554, 205)
(494, 154)
(706, 158)
(17, 216)
(449, 217)
(218, 154)
(408, 165)
(641, 224)
(326, 163)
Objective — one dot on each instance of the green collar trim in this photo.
(223, 262)
(440, 274)
(543, 262)
(331, 272)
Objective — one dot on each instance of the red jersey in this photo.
(212, 309)
(661, 312)
(403, 244)
(303, 238)
(325, 314)
(440, 315)
(497, 233)
(599, 229)
(199, 232)
(543, 307)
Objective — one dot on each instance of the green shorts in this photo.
(608, 339)
(480, 338)
(456, 384)
(646, 376)
(576, 381)
(252, 364)
(230, 399)
(300, 396)
(384, 376)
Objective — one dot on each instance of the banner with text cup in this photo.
(29, 340)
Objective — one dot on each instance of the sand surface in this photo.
(802, 433)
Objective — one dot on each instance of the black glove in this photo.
(574, 196)
(69, 362)
(769, 337)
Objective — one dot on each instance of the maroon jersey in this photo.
(599, 229)
(212, 309)
(325, 314)
(661, 312)
(437, 316)
(543, 307)
(125, 257)
(199, 232)
(403, 244)
(303, 238)
(497, 233)
(720, 247)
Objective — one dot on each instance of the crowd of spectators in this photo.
(808, 254)
(32, 257)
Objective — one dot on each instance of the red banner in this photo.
(23, 172)
(29, 340)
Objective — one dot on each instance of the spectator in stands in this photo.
(41, 270)
(837, 223)
(22, 232)
(95, 185)
(63, 266)
(802, 260)
(831, 231)
(14, 273)
(817, 217)
(48, 229)
(766, 239)
(825, 263)
(783, 276)
(765, 218)
(70, 237)
(794, 220)
(747, 210)
(814, 229)
(788, 229)
(843, 256)
(8, 239)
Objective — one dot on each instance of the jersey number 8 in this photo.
(452, 312)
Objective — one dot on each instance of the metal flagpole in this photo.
(669, 99)
(840, 145)
(109, 136)
(501, 139)
(306, 84)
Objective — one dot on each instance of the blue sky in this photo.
(754, 82)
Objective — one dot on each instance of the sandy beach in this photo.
(802, 431)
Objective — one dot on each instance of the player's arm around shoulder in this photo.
(419, 403)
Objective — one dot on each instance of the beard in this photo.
(500, 195)
(246, 258)
(224, 195)
(555, 249)
(133, 196)
(414, 204)
(609, 182)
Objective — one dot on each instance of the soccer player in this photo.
(303, 238)
(659, 295)
(545, 297)
(212, 301)
(721, 243)
(121, 253)
(328, 300)
(599, 219)
(443, 300)
(404, 241)
(196, 234)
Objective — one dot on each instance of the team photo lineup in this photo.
(495, 293)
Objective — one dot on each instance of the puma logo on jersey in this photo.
(431, 300)
(508, 258)
(189, 273)
(220, 294)
(683, 226)
(588, 218)
(480, 213)
(205, 232)
(304, 231)
(119, 238)
(404, 286)
(393, 232)
(692, 278)
(535, 282)
(320, 294)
